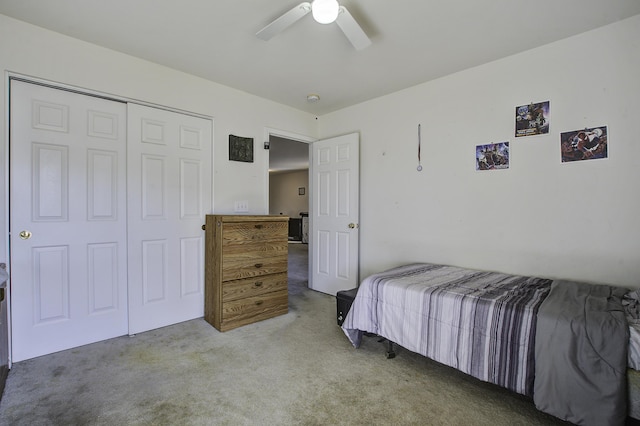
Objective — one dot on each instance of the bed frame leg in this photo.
(390, 352)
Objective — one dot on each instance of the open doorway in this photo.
(289, 196)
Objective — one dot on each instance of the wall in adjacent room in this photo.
(284, 193)
(541, 217)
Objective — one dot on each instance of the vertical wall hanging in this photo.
(419, 168)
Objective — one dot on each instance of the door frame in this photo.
(10, 76)
(268, 132)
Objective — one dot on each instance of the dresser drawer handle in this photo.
(258, 284)
(259, 302)
(258, 265)
(258, 226)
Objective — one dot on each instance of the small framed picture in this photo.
(240, 149)
(301, 191)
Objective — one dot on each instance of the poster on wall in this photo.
(585, 144)
(493, 156)
(532, 119)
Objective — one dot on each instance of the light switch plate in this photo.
(241, 206)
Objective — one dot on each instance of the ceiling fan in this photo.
(324, 12)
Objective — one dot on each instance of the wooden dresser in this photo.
(245, 269)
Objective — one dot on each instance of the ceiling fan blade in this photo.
(352, 30)
(286, 20)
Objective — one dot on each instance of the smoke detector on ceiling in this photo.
(313, 98)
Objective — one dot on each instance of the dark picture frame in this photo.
(240, 149)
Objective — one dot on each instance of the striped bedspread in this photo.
(481, 323)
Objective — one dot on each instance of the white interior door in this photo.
(169, 193)
(335, 179)
(67, 219)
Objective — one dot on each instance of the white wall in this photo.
(32, 51)
(540, 217)
(284, 197)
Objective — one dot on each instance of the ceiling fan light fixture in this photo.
(325, 11)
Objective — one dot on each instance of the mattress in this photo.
(481, 323)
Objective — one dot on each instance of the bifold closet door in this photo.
(169, 193)
(67, 219)
(107, 200)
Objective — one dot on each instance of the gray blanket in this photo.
(581, 354)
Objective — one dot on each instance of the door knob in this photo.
(353, 225)
(25, 235)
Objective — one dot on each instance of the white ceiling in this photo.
(414, 41)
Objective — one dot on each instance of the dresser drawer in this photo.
(253, 250)
(250, 287)
(250, 233)
(251, 309)
(240, 268)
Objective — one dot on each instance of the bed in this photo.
(500, 328)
